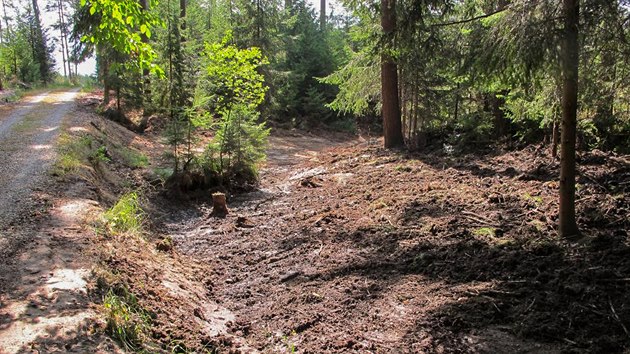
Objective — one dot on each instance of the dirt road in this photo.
(26, 139)
(43, 298)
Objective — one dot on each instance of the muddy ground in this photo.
(346, 247)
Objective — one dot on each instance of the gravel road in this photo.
(27, 136)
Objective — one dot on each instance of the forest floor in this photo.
(343, 247)
(347, 247)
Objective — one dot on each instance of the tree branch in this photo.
(444, 24)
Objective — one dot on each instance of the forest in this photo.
(318, 176)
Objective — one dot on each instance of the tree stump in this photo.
(219, 205)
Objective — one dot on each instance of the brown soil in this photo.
(344, 247)
(349, 248)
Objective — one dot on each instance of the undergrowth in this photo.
(127, 322)
(126, 216)
(73, 153)
(134, 158)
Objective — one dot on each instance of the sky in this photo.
(89, 66)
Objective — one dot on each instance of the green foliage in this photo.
(485, 231)
(359, 85)
(232, 88)
(123, 25)
(126, 216)
(238, 146)
(100, 155)
(231, 77)
(163, 173)
(127, 322)
(308, 54)
(346, 125)
(26, 51)
(134, 158)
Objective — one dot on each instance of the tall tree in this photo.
(322, 15)
(146, 85)
(41, 51)
(392, 126)
(570, 64)
(2, 71)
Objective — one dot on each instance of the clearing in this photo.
(344, 247)
(347, 247)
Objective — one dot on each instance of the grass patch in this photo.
(485, 231)
(73, 153)
(134, 158)
(127, 322)
(536, 200)
(126, 216)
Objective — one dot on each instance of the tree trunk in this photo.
(392, 126)
(63, 45)
(182, 19)
(322, 16)
(3, 72)
(501, 122)
(554, 139)
(64, 37)
(103, 65)
(146, 85)
(219, 205)
(570, 62)
(40, 51)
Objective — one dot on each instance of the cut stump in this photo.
(219, 205)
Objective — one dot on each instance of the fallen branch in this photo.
(616, 317)
(473, 217)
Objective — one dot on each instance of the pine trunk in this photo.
(554, 139)
(63, 44)
(64, 37)
(392, 126)
(570, 61)
(146, 85)
(322, 15)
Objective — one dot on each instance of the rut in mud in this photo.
(347, 247)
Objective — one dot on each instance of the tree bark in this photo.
(322, 16)
(103, 66)
(146, 85)
(570, 61)
(219, 205)
(64, 38)
(392, 125)
(3, 71)
(554, 139)
(182, 19)
(63, 44)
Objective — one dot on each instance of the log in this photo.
(219, 205)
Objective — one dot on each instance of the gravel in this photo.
(27, 137)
